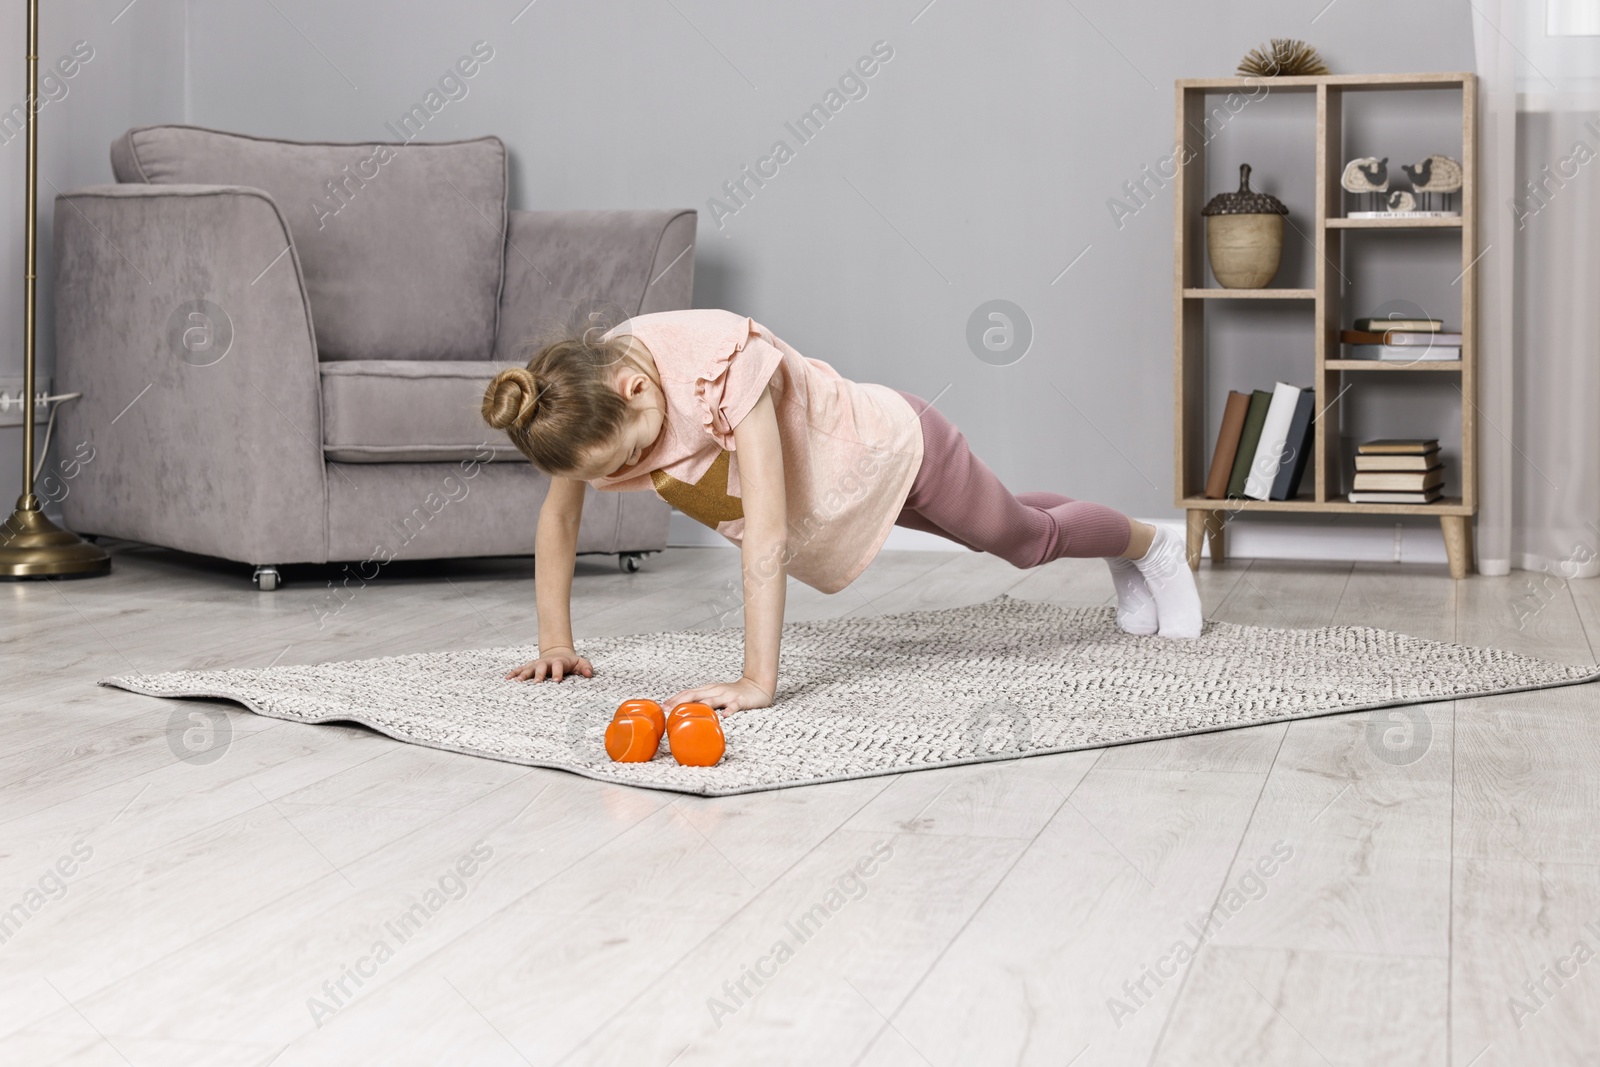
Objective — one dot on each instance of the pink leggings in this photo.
(957, 497)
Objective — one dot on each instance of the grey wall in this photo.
(978, 164)
(135, 75)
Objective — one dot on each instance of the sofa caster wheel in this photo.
(630, 562)
(267, 578)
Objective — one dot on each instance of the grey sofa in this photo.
(282, 346)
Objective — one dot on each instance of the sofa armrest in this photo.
(181, 315)
(557, 262)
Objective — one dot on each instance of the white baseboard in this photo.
(1405, 543)
(1366, 544)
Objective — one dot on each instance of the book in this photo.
(1404, 215)
(1405, 325)
(1407, 353)
(1426, 497)
(1422, 338)
(1302, 432)
(1398, 445)
(1380, 462)
(1270, 446)
(1260, 399)
(1399, 481)
(1227, 449)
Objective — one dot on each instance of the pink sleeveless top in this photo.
(850, 450)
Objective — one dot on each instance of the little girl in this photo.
(805, 470)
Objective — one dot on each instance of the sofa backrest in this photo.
(402, 245)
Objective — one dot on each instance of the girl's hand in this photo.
(553, 664)
(743, 695)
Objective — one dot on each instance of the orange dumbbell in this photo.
(635, 731)
(648, 708)
(694, 734)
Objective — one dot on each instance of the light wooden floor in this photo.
(209, 901)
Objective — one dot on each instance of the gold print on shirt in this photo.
(706, 501)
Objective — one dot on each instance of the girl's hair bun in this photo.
(512, 399)
(563, 404)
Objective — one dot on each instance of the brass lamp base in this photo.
(31, 546)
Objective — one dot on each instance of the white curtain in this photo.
(1539, 285)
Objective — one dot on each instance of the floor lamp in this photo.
(31, 546)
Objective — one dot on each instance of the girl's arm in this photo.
(763, 561)
(555, 551)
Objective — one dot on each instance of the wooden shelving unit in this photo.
(1208, 518)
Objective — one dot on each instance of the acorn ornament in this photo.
(1244, 235)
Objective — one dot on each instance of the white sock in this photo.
(1165, 568)
(1136, 608)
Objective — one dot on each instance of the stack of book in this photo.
(1402, 340)
(1263, 444)
(1391, 471)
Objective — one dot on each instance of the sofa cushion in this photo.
(409, 411)
(402, 245)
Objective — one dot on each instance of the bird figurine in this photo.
(1400, 200)
(1436, 174)
(1369, 175)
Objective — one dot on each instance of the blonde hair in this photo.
(564, 403)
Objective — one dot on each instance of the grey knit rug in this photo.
(882, 694)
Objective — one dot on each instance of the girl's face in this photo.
(647, 414)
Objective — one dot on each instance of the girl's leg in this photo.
(1136, 608)
(1050, 501)
(957, 496)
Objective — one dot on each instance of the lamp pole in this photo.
(31, 546)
